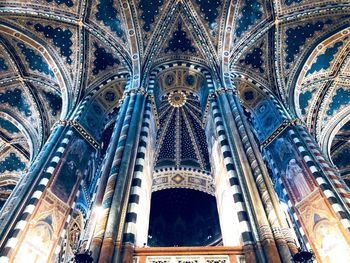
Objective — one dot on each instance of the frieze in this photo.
(183, 178)
(285, 124)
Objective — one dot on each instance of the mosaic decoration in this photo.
(68, 3)
(55, 102)
(251, 12)
(103, 59)
(161, 46)
(110, 96)
(323, 61)
(16, 99)
(297, 37)
(8, 126)
(150, 9)
(108, 14)
(183, 178)
(341, 97)
(177, 99)
(11, 163)
(180, 41)
(60, 38)
(167, 150)
(3, 65)
(210, 10)
(325, 231)
(323, 75)
(35, 61)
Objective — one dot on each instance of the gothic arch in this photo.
(323, 79)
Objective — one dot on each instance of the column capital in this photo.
(127, 93)
(59, 122)
(140, 90)
(222, 90)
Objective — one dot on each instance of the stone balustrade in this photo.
(218, 254)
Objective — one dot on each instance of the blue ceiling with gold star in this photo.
(181, 140)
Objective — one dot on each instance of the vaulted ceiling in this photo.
(53, 52)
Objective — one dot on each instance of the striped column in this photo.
(122, 191)
(331, 174)
(248, 237)
(21, 223)
(322, 181)
(105, 168)
(271, 206)
(130, 229)
(129, 235)
(111, 181)
(330, 188)
(247, 178)
(108, 233)
(25, 187)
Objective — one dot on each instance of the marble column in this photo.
(243, 159)
(247, 226)
(106, 243)
(284, 241)
(103, 173)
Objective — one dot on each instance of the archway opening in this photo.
(183, 217)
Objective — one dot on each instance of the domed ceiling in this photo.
(181, 138)
(53, 52)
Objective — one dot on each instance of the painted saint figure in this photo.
(295, 175)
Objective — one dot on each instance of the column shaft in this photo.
(111, 181)
(249, 233)
(274, 216)
(130, 232)
(236, 144)
(108, 237)
(105, 168)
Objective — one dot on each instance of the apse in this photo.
(183, 204)
(183, 217)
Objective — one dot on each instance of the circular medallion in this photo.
(109, 96)
(177, 99)
(190, 80)
(249, 95)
